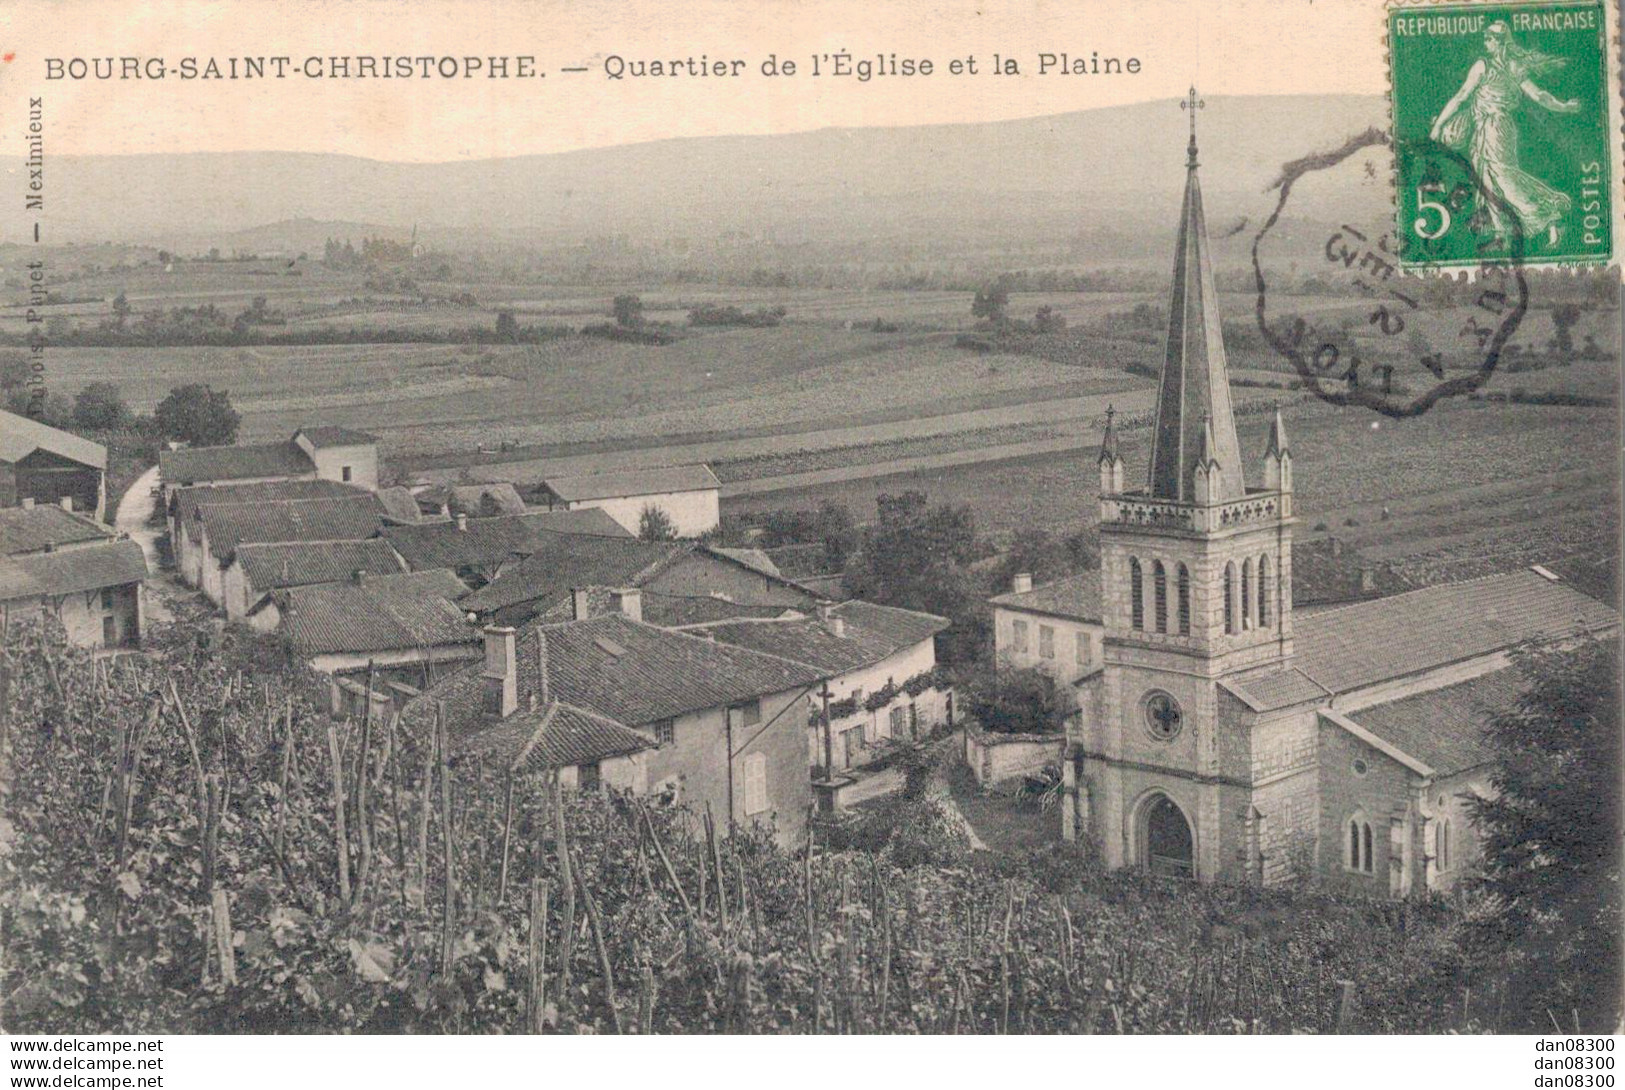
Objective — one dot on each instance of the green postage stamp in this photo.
(1502, 141)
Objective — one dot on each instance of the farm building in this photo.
(614, 702)
(56, 562)
(256, 570)
(383, 620)
(881, 661)
(222, 527)
(48, 465)
(687, 494)
(1055, 627)
(186, 531)
(1227, 737)
(539, 584)
(324, 453)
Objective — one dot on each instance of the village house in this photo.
(48, 465)
(539, 584)
(1055, 628)
(883, 680)
(225, 526)
(408, 618)
(58, 563)
(687, 494)
(1229, 737)
(321, 453)
(255, 570)
(612, 702)
(186, 529)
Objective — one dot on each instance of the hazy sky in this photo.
(1227, 46)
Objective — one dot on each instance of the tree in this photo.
(1564, 315)
(628, 311)
(1037, 553)
(655, 525)
(101, 406)
(1012, 700)
(121, 308)
(1046, 320)
(507, 326)
(197, 414)
(1550, 837)
(991, 303)
(15, 370)
(917, 557)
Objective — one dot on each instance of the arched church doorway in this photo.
(1169, 847)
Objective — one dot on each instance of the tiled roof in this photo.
(632, 673)
(189, 464)
(678, 610)
(484, 543)
(31, 529)
(1276, 689)
(634, 482)
(1076, 598)
(379, 613)
(184, 502)
(88, 567)
(333, 436)
(399, 504)
(869, 635)
(559, 563)
(754, 559)
(586, 520)
(341, 518)
(1445, 728)
(557, 736)
(296, 564)
(1326, 570)
(20, 437)
(800, 561)
(485, 500)
(1361, 644)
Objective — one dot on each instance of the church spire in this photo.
(1194, 396)
(1111, 466)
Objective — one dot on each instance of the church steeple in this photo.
(1195, 381)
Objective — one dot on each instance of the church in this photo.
(1219, 737)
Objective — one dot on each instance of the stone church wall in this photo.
(1382, 794)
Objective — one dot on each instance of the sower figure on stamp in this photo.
(1479, 120)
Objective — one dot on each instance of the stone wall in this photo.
(994, 757)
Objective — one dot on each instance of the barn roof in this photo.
(21, 436)
(191, 464)
(294, 564)
(340, 518)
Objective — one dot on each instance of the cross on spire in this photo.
(1191, 104)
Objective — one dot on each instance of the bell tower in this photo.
(1196, 577)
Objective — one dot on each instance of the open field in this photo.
(1547, 476)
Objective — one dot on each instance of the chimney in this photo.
(462, 521)
(1368, 578)
(358, 576)
(825, 611)
(837, 627)
(501, 672)
(629, 601)
(28, 503)
(67, 503)
(581, 603)
(1021, 582)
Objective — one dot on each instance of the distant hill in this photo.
(1105, 170)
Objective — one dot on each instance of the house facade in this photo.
(1228, 739)
(1055, 627)
(57, 563)
(720, 727)
(689, 495)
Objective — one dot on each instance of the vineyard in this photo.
(189, 845)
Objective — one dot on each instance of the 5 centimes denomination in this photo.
(1516, 95)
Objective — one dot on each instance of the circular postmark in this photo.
(1339, 292)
